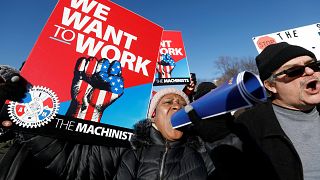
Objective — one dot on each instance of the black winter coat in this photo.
(156, 158)
(47, 158)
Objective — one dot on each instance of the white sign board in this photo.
(305, 36)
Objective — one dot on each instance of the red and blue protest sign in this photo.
(172, 66)
(91, 71)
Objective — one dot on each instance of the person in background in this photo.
(203, 88)
(189, 89)
(28, 156)
(40, 157)
(12, 87)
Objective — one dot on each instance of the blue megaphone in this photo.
(243, 90)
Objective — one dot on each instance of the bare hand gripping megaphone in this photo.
(243, 90)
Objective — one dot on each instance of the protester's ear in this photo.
(153, 114)
(270, 86)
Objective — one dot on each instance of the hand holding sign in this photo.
(165, 66)
(12, 85)
(96, 84)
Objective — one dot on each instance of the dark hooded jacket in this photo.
(153, 157)
(39, 157)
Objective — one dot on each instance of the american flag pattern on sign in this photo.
(165, 66)
(96, 84)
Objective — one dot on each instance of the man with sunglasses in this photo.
(283, 134)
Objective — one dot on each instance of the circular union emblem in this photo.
(35, 110)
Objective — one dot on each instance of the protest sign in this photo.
(91, 71)
(243, 90)
(172, 68)
(305, 36)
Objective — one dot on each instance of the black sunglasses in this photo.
(299, 70)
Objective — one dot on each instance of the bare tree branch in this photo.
(230, 66)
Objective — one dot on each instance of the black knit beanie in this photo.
(203, 88)
(275, 55)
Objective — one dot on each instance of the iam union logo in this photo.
(37, 109)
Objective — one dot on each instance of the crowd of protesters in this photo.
(277, 139)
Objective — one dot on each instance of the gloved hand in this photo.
(210, 129)
(190, 88)
(165, 66)
(96, 84)
(12, 85)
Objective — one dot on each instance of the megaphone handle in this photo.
(193, 115)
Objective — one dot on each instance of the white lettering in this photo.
(101, 10)
(126, 58)
(90, 129)
(107, 48)
(165, 43)
(89, 44)
(142, 65)
(129, 40)
(171, 51)
(75, 17)
(81, 127)
(96, 130)
(116, 38)
(96, 27)
(85, 7)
